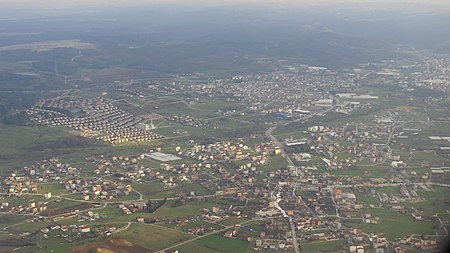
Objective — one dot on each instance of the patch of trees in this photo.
(11, 81)
(18, 119)
(153, 205)
(301, 148)
(58, 211)
(14, 243)
(66, 112)
(68, 142)
(10, 102)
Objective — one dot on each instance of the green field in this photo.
(153, 237)
(396, 225)
(16, 242)
(14, 139)
(168, 210)
(23, 200)
(23, 146)
(7, 219)
(55, 188)
(18, 144)
(323, 246)
(366, 199)
(435, 201)
(215, 244)
(394, 190)
(275, 163)
(57, 206)
(154, 190)
(190, 209)
(29, 227)
(233, 220)
(359, 171)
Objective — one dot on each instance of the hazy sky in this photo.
(71, 3)
(12, 9)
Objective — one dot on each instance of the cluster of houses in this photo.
(91, 117)
(344, 146)
(76, 232)
(298, 93)
(225, 151)
(190, 121)
(318, 208)
(133, 92)
(97, 188)
(438, 77)
(27, 179)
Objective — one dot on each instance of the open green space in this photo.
(394, 190)
(189, 209)
(55, 188)
(10, 242)
(361, 171)
(233, 220)
(52, 244)
(396, 225)
(275, 163)
(30, 227)
(435, 201)
(7, 219)
(366, 199)
(154, 190)
(323, 246)
(215, 244)
(153, 237)
(23, 200)
(22, 142)
(168, 211)
(435, 129)
(418, 158)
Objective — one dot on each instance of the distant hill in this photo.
(168, 40)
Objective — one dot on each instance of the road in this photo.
(442, 225)
(334, 203)
(77, 56)
(388, 142)
(123, 228)
(289, 161)
(300, 173)
(304, 204)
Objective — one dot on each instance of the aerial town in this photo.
(240, 126)
(275, 161)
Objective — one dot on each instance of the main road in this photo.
(290, 163)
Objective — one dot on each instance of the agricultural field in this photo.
(275, 163)
(28, 142)
(433, 202)
(367, 199)
(396, 225)
(153, 237)
(55, 188)
(215, 244)
(154, 190)
(333, 246)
